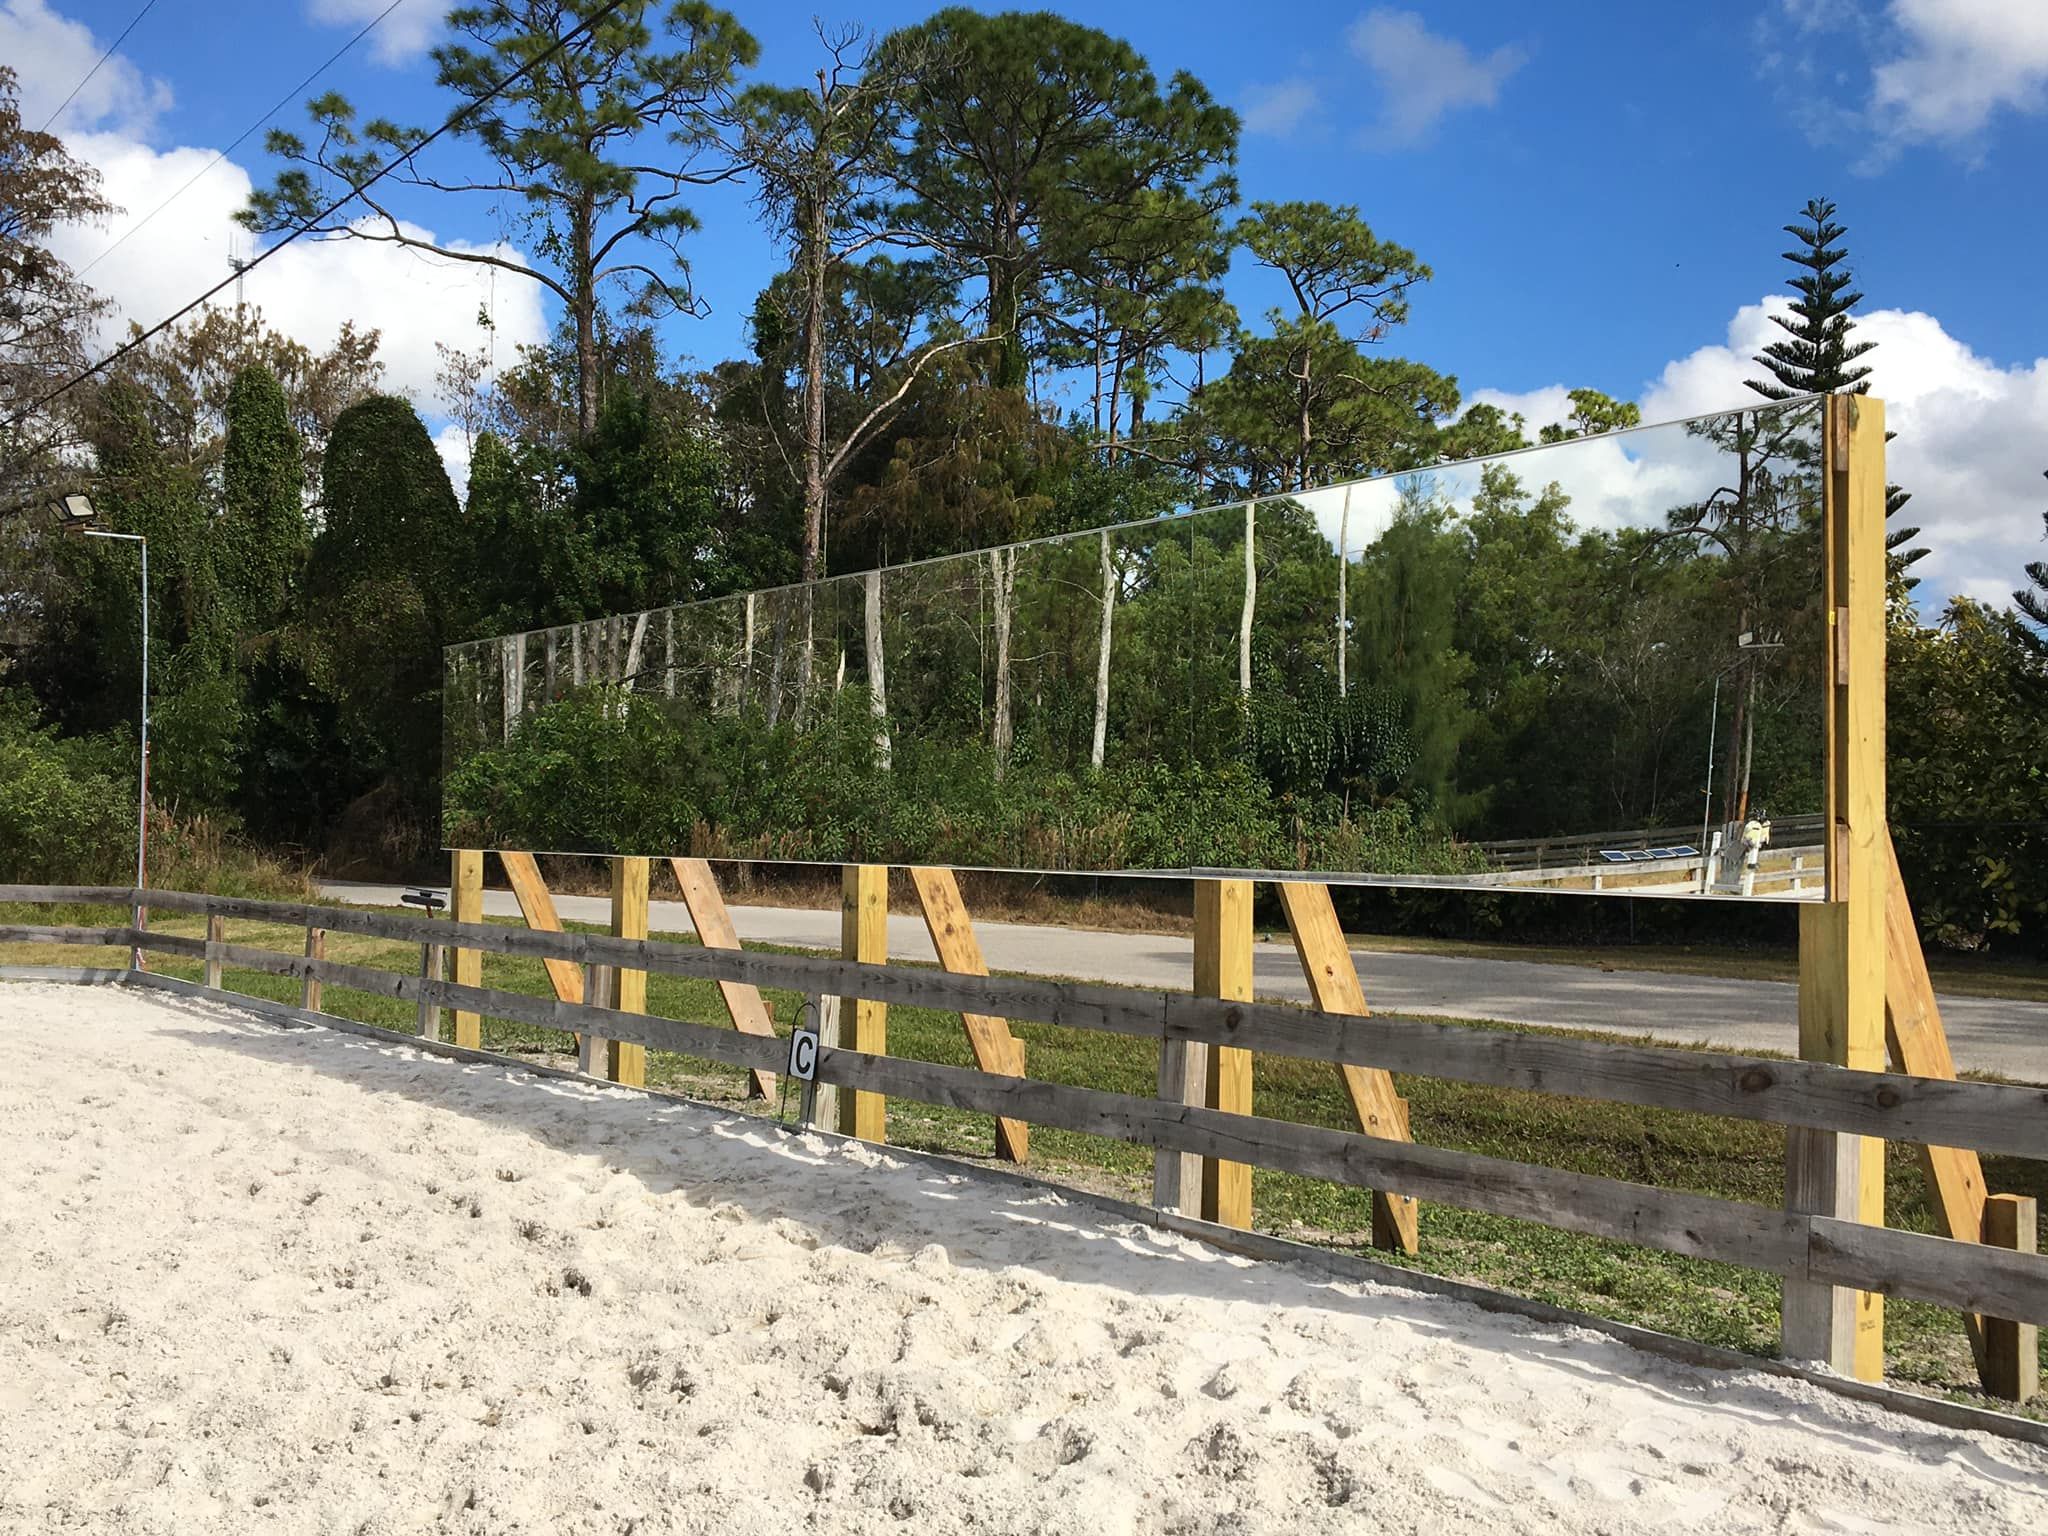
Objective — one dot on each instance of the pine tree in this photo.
(1820, 356)
(2033, 598)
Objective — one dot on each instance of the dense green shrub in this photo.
(67, 808)
(601, 771)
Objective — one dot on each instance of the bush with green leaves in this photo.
(600, 770)
(67, 806)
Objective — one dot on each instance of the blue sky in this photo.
(1598, 187)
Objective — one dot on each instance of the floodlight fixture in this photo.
(74, 512)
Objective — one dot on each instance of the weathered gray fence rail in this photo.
(1819, 1249)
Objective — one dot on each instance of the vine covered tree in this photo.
(263, 532)
(597, 145)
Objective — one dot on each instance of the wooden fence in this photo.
(2002, 1283)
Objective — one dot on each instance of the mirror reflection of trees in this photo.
(1382, 679)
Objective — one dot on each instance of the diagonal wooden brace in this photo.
(1333, 981)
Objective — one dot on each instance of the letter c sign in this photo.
(803, 1055)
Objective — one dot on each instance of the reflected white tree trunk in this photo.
(1003, 572)
(878, 687)
(1251, 601)
(1344, 597)
(1102, 644)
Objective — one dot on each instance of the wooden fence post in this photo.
(2012, 1351)
(959, 951)
(864, 936)
(309, 987)
(1183, 1079)
(1223, 968)
(629, 989)
(466, 905)
(593, 1052)
(432, 957)
(825, 1097)
(216, 935)
(1842, 938)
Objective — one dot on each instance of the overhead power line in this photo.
(148, 6)
(448, 125)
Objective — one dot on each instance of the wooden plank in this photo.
(863, 1022)
(1842, 980)
(959, 951)
(30, 933)
(2012, 1350)
(2007, 1119)
(70, 895)
(1223, 969)
(216, 935)
(1333, 982)
(1919, 1045)
(537, 906)
(466, 905)
(629, 921)
(316, 949)
(743, 1001)
(1971, 1277)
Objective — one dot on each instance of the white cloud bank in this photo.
(306, 290)
(1972, 439)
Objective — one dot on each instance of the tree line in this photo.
(1000, 315)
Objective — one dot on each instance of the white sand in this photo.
(262, 1280)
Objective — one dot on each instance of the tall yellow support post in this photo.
(1223, 968)
(629, 921)
(863, 1023)
(1842, 939)
(466, 905)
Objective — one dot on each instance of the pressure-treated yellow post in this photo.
(1842, 939)
(863, 1023)
(629, 921)
(1223, 968)
(2012, 1350)
(466, 905)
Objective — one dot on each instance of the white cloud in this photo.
(1422, 76)
(306, 290)
(1281, 108)
(1972, 442)
(1959, 62)
(50, 54)
(1939, 72)
(399, 38)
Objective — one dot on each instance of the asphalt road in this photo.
(1986, 1034)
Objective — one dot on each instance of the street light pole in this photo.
(142, 784)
